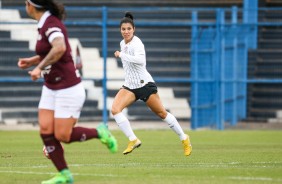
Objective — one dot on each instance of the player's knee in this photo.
(162, 114)
(62, 137)
(44, 129)
(115, 110)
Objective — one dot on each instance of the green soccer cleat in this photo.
(63, 177)
(107, 138)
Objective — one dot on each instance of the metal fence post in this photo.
(105, 52)
(220, 96)
(245, 72)
(194, 76)
(250, 17)
(235, 68)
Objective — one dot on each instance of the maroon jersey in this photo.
(63, 73)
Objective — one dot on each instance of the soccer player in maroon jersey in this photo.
(63, 94)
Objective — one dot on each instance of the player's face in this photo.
(28, 8)
(127, 32)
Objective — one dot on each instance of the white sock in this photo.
(124, 125)
(174, 125)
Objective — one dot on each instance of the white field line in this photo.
(52, 173)
(255, 178)
(231, 164)
(112, 175)
(133, 164)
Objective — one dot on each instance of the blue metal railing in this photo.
(219, 100)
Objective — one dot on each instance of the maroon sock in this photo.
(83, 134)
(55, 151)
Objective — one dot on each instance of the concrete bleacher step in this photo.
(153, 16)
(269, 53)
(274, 15)
(5, 34)
(93, 32)
(16, 112)
(174, 62)
(13, 54)
(162, 52)
(269, 72)
(270, 33)
(267, 92)
(148, 42)
(156, 52)
(173, 85)
(8, 43)
(139, 111)
(271, 104)
(265, 100)
(270, 43)
(264, 97)
(163, 33)
(22, 91)
(20, 84)
(29, 115)
(182, 92)
(12, 71)
(151, 37)
(170, 72)
(19, 112)
(19, 102)
(90, 114)
(260, 114)
(32, 101)
(112, 92)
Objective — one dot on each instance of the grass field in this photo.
(218, 157)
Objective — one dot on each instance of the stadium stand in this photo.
(273, 3)
(138, 3)
(264, 99)
(176, 60)
(175, 63)
(19, 99)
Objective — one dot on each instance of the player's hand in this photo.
(24, 63)
(35, 74)
(117, 53)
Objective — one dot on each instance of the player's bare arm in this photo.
(25, 63)
(57, 51)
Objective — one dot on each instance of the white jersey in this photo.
(133, 59)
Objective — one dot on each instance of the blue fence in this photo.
(219, 67)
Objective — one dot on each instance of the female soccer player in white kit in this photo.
(139, 84)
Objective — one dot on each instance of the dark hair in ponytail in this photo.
(57, 9)
(128, 18)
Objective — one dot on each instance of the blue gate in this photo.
(219, 71)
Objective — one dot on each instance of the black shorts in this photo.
(144, 92)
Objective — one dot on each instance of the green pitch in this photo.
(219, 157)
